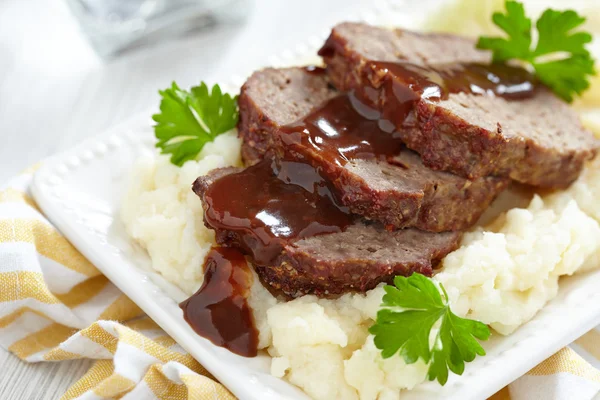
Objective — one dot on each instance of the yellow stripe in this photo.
(20, 285)
(12, 317)
(162, 387)
(122, 309)
(142, 324)
(157, 351)
(46, 338)
(58, 354)
(11, 195)
(83, 292)
(96, 334)
(101, 370)
(204, 388)
(590, 342)
(567, 360)
(114, 386)
(503, 394)
(48, 242)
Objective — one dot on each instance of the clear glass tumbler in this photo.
(114, 26)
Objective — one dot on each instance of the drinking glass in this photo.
(114, 26)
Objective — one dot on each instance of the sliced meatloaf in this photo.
(272, 98)
(355, 259)
(537, 140)
(398, 191)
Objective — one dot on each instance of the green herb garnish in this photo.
(189, 119)
(411, 309)
(559, 58)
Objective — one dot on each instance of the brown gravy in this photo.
(411, 82)
(343, 129)
(269, 204)
(436, 83)
(219, 311)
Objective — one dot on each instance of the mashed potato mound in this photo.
(502, 274)
(164, 216)
(324, 347)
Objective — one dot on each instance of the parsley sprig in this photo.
(559, 58)
(410, 309)
(189, 119)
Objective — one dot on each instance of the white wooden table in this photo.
(54, 92)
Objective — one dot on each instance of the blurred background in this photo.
(69, 69)
(56, 89)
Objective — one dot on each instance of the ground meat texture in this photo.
(400, 192)
(357, 259)
(272, 98)
(538, 140)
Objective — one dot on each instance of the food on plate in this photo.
(178, 129)
(219, 311)
(300, 241)
(164, 216)
(410, 309)
(453, 114)
(373, 174)
(503, 274)
(306, 244)
(560, 58)
(272, 98)
(468, 18)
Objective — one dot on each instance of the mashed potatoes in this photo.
(502, 275)
(165, 217)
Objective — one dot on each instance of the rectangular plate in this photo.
(80, 191)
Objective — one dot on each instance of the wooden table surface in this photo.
(55, 92)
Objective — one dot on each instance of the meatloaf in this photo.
(398, 191)
(538, 140)
(355, 259)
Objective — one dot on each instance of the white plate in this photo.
(80, 191)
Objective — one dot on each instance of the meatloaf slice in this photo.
(355, 259)
(399, 191)
(272, 98)
(537, 140)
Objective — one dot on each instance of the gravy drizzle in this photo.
(437, 83)
(411, 82)
(267, 205)
(219, 310)
(343, 129)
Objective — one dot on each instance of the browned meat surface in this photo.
(357, 258)
(536, 140)
(398, 190)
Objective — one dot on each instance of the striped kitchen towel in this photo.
(55, 305)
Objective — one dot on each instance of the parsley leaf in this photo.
(554, 28)
(566, 77)
(410, 310)
(518, 28)
(189, 119)
(559, 58)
